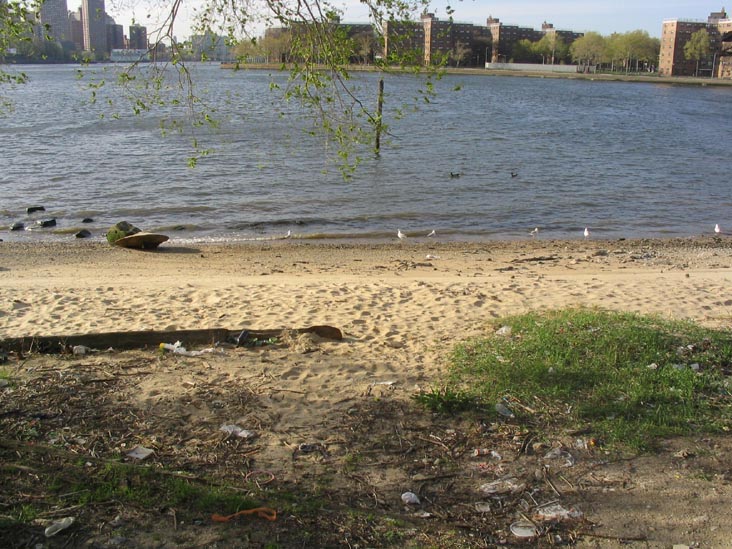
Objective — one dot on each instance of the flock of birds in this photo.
(535, 231)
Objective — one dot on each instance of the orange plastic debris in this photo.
(261, 512)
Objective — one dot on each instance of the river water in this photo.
(624, 159)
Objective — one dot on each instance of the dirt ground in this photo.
(63, 418)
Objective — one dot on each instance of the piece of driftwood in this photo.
(137, 340)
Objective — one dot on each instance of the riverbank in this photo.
(331, 422)
(49, 288)
(600, 77)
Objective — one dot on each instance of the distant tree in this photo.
(364, 47)
(17, 21)
(250, 49)
(524, 51)
(589, 50)
(550, 47)
(634, 46)
(460, 52)
(698, 48)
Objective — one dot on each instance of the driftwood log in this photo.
(138, 340)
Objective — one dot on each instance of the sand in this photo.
(401, 306)
(397, 298)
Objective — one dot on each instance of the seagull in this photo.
(432, 233)
(401, 235)
(587, 232)
(289, 234)
(535, 231)
(717, 230)
(454, 175)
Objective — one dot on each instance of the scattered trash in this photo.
(423, 514)
(652, 366)
(309, 449)
(178, 349)
(59, 526)
(251, 475)
(80, 350)
(410, 498)
(561, 453)
(244, 339)
(140, 452)
(503, 410)
(261, 512)
(585, 443)
(388, 383)
(504, 485)
(554, 511)
(237, 431)
(486, 452)
(430, 256)
(684, 454)
(482, 507)
(524, 529)
(504, 331)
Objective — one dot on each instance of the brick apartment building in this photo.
(677, 32)
(432, 36)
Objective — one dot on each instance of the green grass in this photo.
(592, 369)
(148, 487)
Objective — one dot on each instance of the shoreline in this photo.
(51, 289)
(477, 71)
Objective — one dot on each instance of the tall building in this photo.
(675, 33)
(209, 46)
(449, 37)
(55, 18)
(138, 38)
(115, 35)
(94, 23)
(76, 26)
(404, 39)
(725, 55)
(505, 37)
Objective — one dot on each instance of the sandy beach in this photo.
(401, 307)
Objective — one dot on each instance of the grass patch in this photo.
(147, 487)
(627, 378)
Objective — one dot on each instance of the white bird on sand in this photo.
(289, 234)
(401, 235)
(432, 233)
(534, 232)
(717, 230)
(587, 232)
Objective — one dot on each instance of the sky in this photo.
(604, 17)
